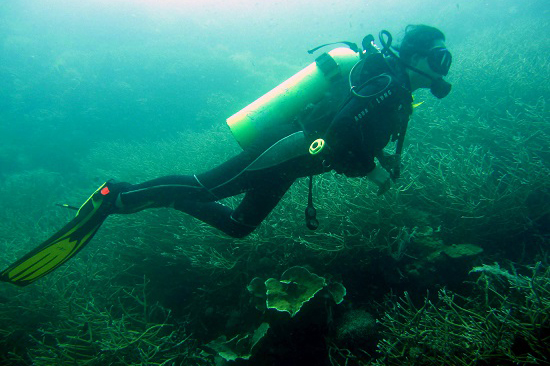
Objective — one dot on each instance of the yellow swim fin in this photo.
(68, 241)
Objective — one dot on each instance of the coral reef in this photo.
(157, 287)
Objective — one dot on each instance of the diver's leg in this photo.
(161, 192)
(264, 189)
(253, 209)
(166, 191)
(190, 195)
(237, 175)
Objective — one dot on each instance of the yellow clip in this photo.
(316, 146)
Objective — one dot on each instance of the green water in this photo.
(134, 90)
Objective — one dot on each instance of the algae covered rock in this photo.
(426, 240)
(356, 327)
(462, 250)
(258, 291)
(257, 287)
(337, 291)
(240, 346)
(296, 287)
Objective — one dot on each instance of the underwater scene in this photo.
(446, 263)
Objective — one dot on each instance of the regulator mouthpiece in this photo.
(440, 88)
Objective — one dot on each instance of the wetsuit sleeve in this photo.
(362, 128)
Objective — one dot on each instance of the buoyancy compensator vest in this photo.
(377, 85)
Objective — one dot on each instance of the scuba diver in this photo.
(336, 114)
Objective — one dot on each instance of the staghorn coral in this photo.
(506, 320)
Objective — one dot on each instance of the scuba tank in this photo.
(286, 100)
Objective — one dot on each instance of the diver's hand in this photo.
(389, 162)
(381, 177)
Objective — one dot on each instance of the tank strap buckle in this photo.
(328, 67)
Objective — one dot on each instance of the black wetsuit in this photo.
(355, 132)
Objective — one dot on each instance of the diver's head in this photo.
(426, 58)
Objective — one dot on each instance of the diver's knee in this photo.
(239, 227)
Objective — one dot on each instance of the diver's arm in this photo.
(373, 142)
(381, 178)
(345, 153)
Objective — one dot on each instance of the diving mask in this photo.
(439, 60)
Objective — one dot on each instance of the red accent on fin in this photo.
(105, 191)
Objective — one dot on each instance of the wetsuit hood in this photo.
(439, 87)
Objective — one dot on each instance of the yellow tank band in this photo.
(316, 146)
